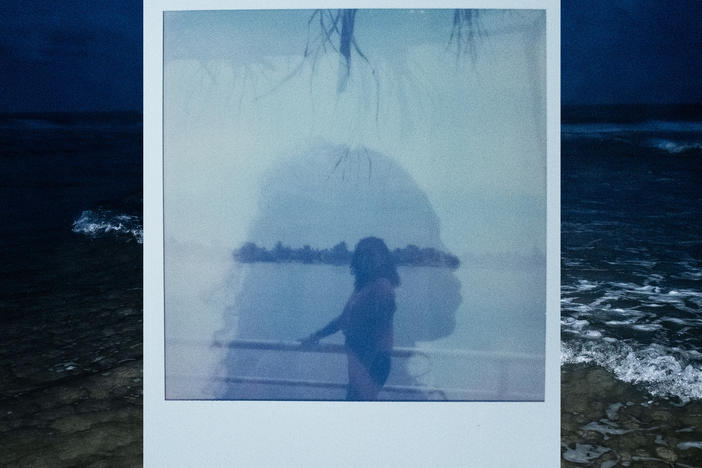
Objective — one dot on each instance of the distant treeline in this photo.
(340, 255)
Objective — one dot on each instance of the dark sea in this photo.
(71, 289)
(631, 294)
(631, 286)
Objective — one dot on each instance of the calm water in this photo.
(493, 310)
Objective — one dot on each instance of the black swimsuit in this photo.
(378, 371)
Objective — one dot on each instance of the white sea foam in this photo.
(584, 453)
(579, 324)
(687, 429)
(647, 327)
(689, 445)
(585, 285)
(661, 370)
(675, 320)
(674, 147)
(607, 294)
(106, 222)
(606, 429)
(691, 268)
(593, 335)
(613, 411)
(620, 323)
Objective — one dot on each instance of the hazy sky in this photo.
(70, 55)
(631, 51)
(469, 134)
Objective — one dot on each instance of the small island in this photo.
(411, 255)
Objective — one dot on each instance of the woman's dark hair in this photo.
(371, 260)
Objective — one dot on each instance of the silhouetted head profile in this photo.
(325, 196)
(372, 260)
(321, 196)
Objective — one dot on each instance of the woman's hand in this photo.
(307, 342)
(313, 339)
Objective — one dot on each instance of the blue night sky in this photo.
(631, 51)
(72, 55)
(80, 55)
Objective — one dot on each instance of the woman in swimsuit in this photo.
(367, 319)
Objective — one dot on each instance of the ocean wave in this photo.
(100, 223)
(33, 124)
(636, 127)
(663, 371)
(602, 298)
(118, 121)
(674, 147)
(642, 333)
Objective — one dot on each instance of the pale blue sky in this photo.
(240, 100)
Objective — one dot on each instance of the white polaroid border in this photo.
(312, 434)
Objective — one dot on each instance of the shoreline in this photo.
(71, 361)
(90, 420)
(95, 418)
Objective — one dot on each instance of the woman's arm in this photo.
(329, 329)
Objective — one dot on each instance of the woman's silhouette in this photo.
(367, 319)
(321, 196)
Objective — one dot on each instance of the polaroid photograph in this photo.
(351, 230)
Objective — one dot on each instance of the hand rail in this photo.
(401, 352)
(466, 394)
(502, 393)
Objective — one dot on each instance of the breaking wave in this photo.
(662, 371)
(674, 147)
(102, 223)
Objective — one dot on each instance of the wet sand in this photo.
(71, 360)
(606, 422)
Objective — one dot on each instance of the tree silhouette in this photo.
(411, 255)
(281, 252)
(340, 253)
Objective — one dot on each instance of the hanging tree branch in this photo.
(465, 32)
(337, 33)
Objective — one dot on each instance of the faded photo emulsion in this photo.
(354, 205)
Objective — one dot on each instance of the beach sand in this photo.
(606, 422)
(71, 360)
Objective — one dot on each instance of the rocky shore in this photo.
(607, 423)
